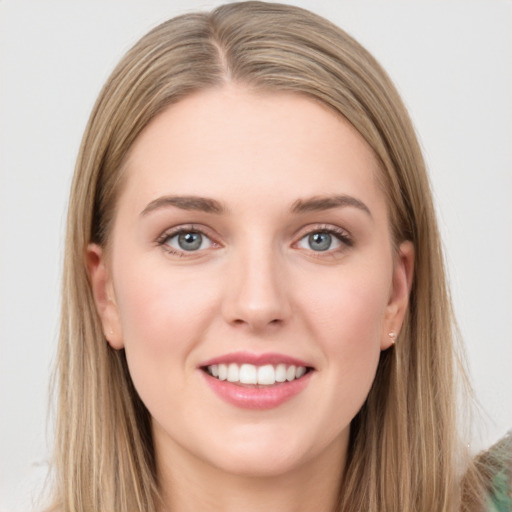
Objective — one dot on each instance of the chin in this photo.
(262, 464)
(271, 454)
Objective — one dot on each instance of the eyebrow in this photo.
(208, 205)
(202, 204)
(320, 203)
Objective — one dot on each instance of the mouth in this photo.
(256, 376)
(257, 381)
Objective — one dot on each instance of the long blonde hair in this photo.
(404, 451)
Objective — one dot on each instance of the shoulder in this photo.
(498, 465)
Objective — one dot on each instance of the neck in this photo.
(190, 485)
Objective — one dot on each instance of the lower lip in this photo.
(257, 398)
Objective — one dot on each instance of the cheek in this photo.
(160, 306)
(163, 316)
(347, 321)
(348, 308)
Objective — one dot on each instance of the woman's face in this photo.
(251, 244)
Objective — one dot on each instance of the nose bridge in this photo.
(256, 293)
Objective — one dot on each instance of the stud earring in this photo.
(392, 335)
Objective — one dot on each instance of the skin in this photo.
(256, 285)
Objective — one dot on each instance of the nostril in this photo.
(257, 324)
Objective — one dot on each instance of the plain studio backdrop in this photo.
(451, 61)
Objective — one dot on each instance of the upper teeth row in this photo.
(251, 374)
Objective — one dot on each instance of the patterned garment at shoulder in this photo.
(499, 460)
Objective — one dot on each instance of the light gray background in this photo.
(452, 62)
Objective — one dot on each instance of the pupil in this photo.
(190, 241)
(320, 241)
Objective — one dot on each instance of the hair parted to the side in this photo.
(404, 451)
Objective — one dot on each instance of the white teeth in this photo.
(266, 375)
(290, 373)
(248, 374)
(280, 373)
(223, 372)
(233, 373)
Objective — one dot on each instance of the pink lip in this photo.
(257, 398)
(255, 359)
(252, 397)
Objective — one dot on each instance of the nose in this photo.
(257, 293)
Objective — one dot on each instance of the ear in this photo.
(104, 297)
(403, 272)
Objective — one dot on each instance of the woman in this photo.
(255, 309)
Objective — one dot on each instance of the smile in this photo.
(251, 381)
(250, 374)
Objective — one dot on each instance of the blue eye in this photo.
(321, 241)
(188, 241)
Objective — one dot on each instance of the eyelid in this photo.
(185, 228)
(341, 234)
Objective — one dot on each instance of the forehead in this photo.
(232, 142)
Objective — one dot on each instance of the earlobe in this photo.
(403, 273)
(103, 293)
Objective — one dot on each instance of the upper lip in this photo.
(255, 359)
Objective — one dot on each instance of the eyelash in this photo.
(169, 234)
(340, 234)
